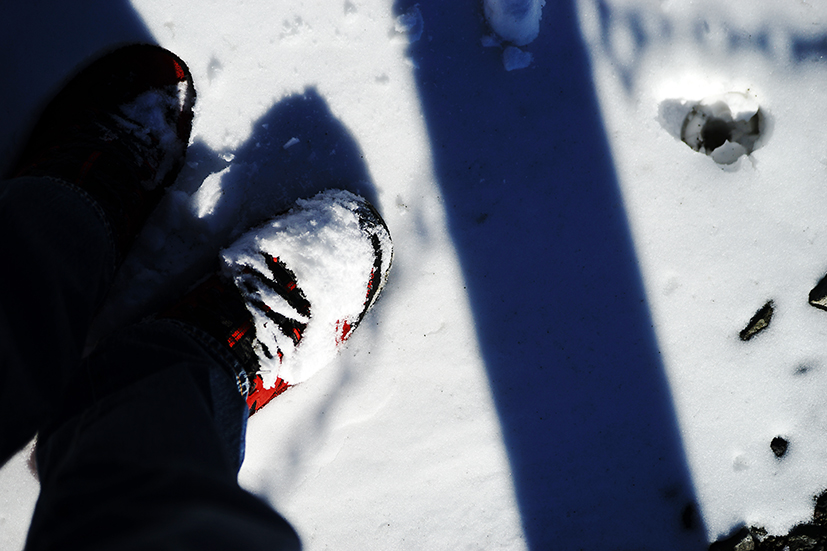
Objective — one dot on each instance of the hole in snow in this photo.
(725, 127)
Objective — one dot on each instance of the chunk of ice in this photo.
(517, 21)
(411, 23)
(515, 58)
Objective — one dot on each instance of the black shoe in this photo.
(119, 131)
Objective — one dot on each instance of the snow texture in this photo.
(516, 21)
(556, 361)
(354, 456)
(329, 249)
(719, 241)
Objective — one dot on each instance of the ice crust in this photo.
(331, 255)
(517, 21)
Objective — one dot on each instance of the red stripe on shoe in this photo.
(238, 334)
(343, 328)
(260, 396)
(179, 71)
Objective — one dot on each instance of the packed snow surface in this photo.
(293, 99)
(529, 379)
(718, 238)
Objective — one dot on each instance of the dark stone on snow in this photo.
(811, 536)
(741, 541)
(759, 322)
(779, 446)
(820, 513)
(818, 296)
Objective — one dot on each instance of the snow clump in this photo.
(517, 21)
(515, 58)
(410, 23)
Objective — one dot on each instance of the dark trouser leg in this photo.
(57, 261)
(145, 452)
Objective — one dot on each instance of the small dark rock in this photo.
(759, 322)
(820, 513)
(740, 540)
(802, 370)
(779, 446)
(818, 296)
(811, 536)
(806, 537)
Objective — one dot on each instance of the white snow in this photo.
(291, 142)
(352, 456)
(400, 444)
(715, 243)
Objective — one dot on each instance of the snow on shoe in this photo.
(308, 277)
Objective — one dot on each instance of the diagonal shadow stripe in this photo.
(535, 211)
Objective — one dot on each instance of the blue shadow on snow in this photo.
(43, 43)
(535, 211)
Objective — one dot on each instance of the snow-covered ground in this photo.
(556, 360)
(717, 242)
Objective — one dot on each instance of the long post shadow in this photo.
(534, 208)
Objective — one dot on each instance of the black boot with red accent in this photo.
(118, 130)
(290, 292)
